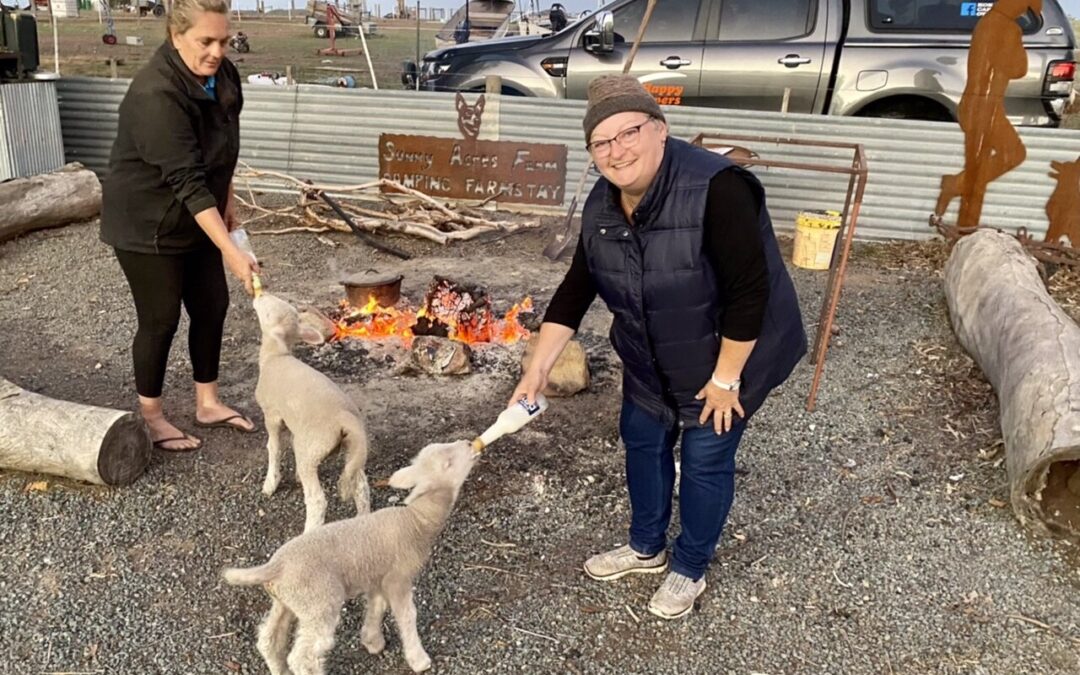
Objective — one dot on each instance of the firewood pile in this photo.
(404, 210)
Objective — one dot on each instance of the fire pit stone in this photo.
(569, 375)
(441, 356)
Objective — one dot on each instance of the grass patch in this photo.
(275, 44)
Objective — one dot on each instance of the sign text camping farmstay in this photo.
(470, 168)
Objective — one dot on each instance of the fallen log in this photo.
(45, 435)
(1029, 350)
(68, 195)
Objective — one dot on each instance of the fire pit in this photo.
(450, 310)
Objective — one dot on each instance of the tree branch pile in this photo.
(417, 215)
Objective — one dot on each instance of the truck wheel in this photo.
(159, 10)
(908, 108)
(322, 32)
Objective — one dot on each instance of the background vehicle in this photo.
(883, 58)
(19, 54)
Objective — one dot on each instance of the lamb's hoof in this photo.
(374, 645)
(419, 662)
(269, 487)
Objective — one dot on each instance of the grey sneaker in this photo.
(676, 596)
(622, 561)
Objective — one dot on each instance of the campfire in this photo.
(449, 310)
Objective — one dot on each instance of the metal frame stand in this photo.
(857, 174)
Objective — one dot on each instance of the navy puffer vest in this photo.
(656, 278)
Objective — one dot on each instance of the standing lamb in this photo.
(378, 554)
(320, 416)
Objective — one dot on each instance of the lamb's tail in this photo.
(353, 484)
(251, 576)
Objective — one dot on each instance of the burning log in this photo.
(87, 443)
(1029, 349)
(68, 195)
(451, 306)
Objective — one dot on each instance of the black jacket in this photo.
(656, 278)
(174, 156)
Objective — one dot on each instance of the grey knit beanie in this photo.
(612, 94)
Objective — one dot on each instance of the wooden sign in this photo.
(470, 168)
(508, 171)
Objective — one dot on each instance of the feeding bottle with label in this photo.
(510, 420)
(243, 242)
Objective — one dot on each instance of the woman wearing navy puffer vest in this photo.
(678, 242)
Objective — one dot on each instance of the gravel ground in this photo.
(870, 536)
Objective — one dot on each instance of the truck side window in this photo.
(946, 16)
(763, 20)
(670, 22)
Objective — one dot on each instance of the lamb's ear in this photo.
(405, 478)
(309, 334)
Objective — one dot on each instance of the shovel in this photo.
(560, 244)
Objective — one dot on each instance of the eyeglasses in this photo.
(627, 138)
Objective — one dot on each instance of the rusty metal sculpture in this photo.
(1063, 208)
(991, 145)
(469, 116)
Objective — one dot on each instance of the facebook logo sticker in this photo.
(969, 9)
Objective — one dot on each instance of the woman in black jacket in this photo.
(678, 243)
(168, 210)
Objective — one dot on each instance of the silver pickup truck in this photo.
(881, 58)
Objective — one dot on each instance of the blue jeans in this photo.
(706, 490)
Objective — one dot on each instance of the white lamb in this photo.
(320, 416)
(378, 554)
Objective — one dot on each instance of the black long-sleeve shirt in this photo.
(733, 245)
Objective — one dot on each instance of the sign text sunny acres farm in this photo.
(524, 173)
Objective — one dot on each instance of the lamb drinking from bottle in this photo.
(377, 554)
(320, 416)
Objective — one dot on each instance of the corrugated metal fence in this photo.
(331, 136)
(29, 129)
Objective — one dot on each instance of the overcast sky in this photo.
(1072, 7)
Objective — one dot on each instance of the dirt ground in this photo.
(870, 536)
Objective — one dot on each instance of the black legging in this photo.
(159, 283)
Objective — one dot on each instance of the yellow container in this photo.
(815, 238)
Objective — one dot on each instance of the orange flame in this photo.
(373, 322)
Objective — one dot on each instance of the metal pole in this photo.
(55, 39)
(367, 55)
(417, 78)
